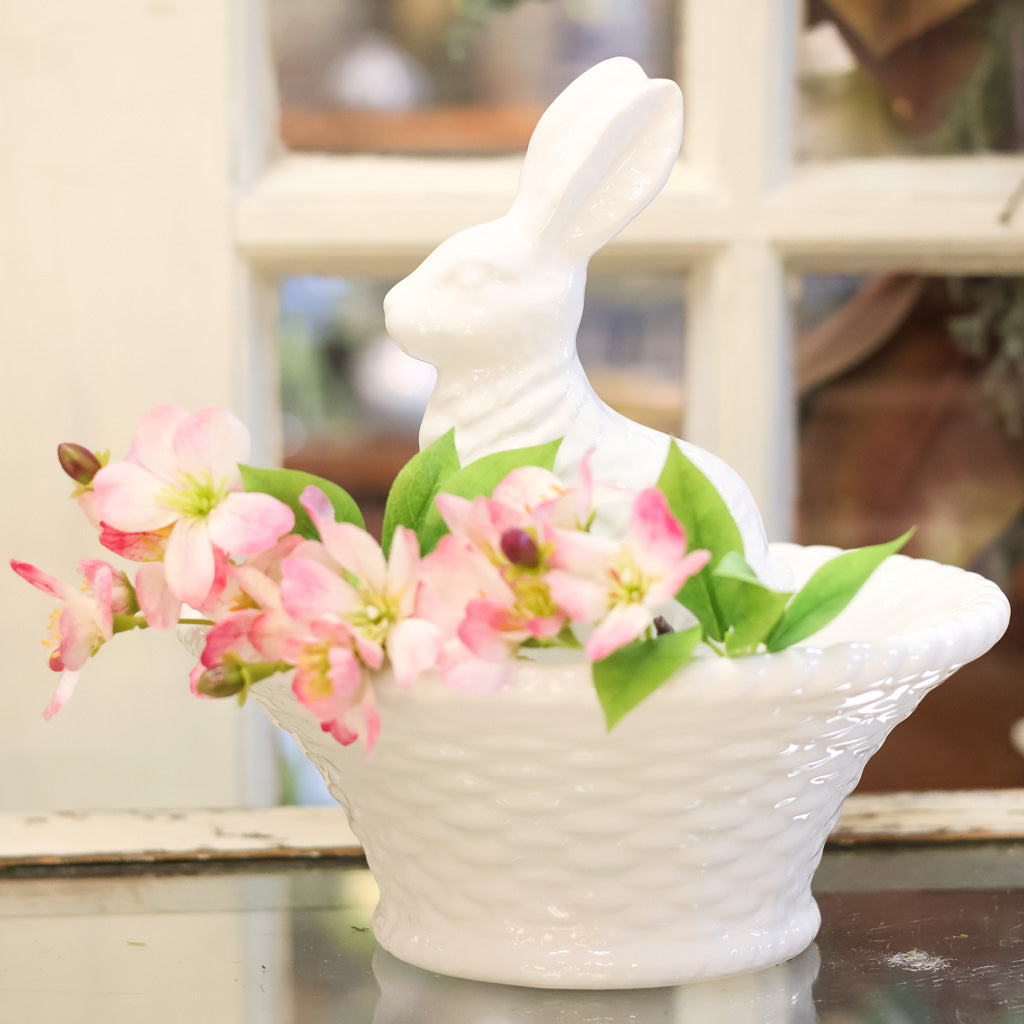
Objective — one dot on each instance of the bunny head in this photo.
(505, 292)
(485, 293)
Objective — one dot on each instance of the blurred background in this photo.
(829, 292)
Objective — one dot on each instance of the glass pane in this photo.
(932, 77)
(446, 75)
(912, 414)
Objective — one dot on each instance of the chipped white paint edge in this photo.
(310, 832)
(104, 837)
(935, 816)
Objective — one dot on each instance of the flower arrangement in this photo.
(478, 565)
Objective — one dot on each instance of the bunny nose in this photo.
(392, 304)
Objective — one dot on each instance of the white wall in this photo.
(117, 292)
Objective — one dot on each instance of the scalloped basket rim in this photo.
(974, 617)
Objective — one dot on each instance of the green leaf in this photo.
(750, 609)
(480, 478)
(829, 591)
(288, 484)
(418, 482)
(699, 507)
(635, 671)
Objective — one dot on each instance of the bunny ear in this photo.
(601, 152)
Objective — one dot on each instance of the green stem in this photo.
(122, 623)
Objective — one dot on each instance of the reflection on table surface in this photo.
(910, 935)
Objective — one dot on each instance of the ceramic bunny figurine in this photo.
(496, 307)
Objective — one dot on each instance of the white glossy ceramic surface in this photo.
(776, 995)
(515, 841)
(496, 307)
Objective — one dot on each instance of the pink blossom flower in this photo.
(84, 620)
(329, 681)
(251, 624)
(481, 617)
(502, 548)
(182, 473)
(529, 499)
(618, 586)
(375, 597)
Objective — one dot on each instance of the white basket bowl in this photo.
(515, 840)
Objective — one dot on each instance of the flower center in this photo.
(314, 662)
(628, 584)
(375, 615)
(194, 495)
(52, 638)
(533, 599)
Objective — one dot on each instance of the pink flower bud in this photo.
(520, 548)
(78, 462)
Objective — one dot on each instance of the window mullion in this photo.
(739, 384)
(738, 64)
(947, 214)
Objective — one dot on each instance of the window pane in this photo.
(936, 77)
(912, 414)
(446, 75)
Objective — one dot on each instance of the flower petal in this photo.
(274, 636)
(355, 550)
(127, 498)
(659, 540)
(157, 601)
(370, 652)
(245, 524)
(100, 577)
(153, 443)
(675, 576)
(372, 719)
(485, 631)
(337, 728)
(623, 623)
(66, 686)
(136, 547)
(413, 648)
(230, 634)
(190, 561)
(317, 505)
(461, 670)
(451, 576)
(582, 599)
(79, 632)
(526, 488)
(212, 441)
(310, 590)
(403, 566)
(42, 580)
